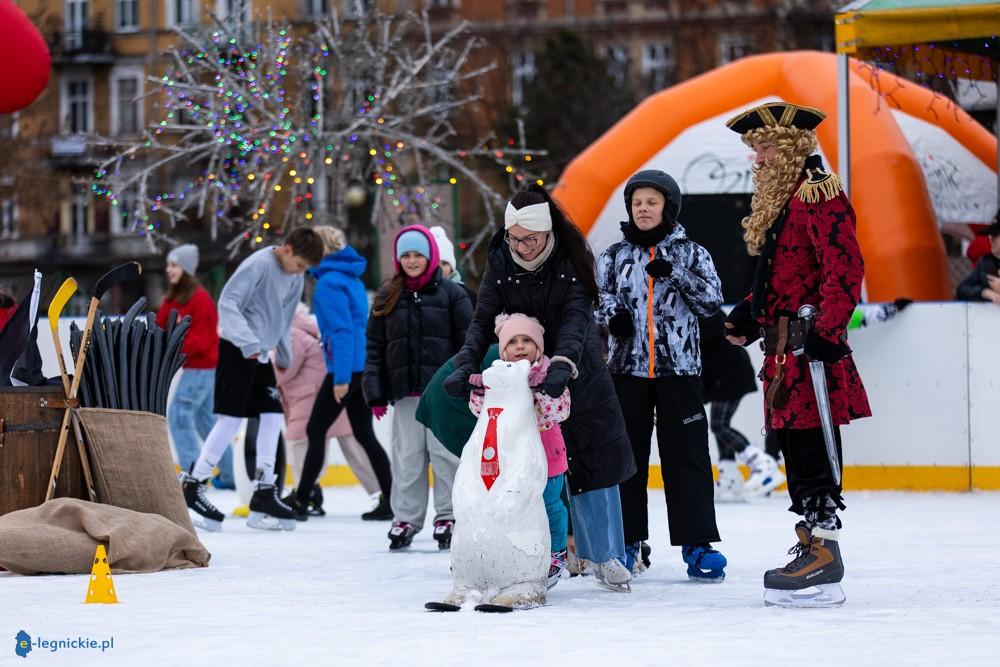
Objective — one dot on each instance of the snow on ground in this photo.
(922, 589)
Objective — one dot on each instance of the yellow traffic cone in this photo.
(100, 588)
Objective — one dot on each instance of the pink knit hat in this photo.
(508, 326)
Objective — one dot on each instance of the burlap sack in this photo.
(60, 536)
(131, 462)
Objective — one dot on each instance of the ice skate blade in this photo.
(262, 521)
(814, 597)
(616, 588)
(208, 525)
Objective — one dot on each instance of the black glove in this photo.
(457, 384)
(818, 348)
(659, 268)
(742, 323)
(620, 325)
(555, 381)
(901, 303)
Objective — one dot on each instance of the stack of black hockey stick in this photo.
(131, 361)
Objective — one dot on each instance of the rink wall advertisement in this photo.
(933, 380)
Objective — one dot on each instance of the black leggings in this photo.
(730, 441)
(324, 412)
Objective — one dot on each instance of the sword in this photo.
(806, 313)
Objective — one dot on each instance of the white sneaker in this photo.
(729, 487)
(765, 476)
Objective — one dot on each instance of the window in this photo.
(442, 4)
(123, 215)
(76, 23)
(316, 8)
(226, 8)
(9, 125)
(658, 65)
(78, 211)
(616, 59)
(76, 104)
(356, 8)
(182, 12)
(8, 219)
(126, 107)
(126, 15)
(522, 74)
(732, 47)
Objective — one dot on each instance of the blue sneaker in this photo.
(705, 564)
(637, 557)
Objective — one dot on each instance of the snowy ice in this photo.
(922, 589)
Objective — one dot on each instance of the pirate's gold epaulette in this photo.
(819, 183)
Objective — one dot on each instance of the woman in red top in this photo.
(190, 416)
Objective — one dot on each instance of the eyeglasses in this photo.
(528, 242)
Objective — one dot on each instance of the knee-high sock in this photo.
(267, 446)
(215, 445)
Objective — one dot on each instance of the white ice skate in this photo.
(823, 595)
(765, 476)
(613, 575)
(729, 486)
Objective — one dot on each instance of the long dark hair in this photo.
(184, 289)
(388, 295)
(568, 235)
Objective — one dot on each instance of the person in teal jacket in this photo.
(448, 418)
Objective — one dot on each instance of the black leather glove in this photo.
(659, 268)
(901, 303)
(620, 325)
(457, 384)
(555, 381)
(742, 323)
(818, 348)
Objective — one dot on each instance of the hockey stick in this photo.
(123, 343)
(174, 342)
(136, 339)
(115, 276)
(107, 372)
(155, 358)
(62, 296)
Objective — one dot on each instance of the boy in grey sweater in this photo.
(255, 316)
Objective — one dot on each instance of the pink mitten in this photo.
(476, 379)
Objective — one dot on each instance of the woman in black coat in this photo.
(540, 265)
(726, 377)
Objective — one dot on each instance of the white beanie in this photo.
(445, 247)
(186, 257)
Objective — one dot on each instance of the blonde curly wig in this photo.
(774, 181)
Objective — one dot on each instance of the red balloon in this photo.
(25, 58)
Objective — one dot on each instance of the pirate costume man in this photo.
(802, 227)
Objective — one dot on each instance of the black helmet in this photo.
(658, 180)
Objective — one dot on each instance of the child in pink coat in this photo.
(298, 385)
(521, 337)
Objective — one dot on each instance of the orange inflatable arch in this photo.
(897, 229)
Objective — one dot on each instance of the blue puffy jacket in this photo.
(341, 307)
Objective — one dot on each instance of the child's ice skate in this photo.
(400, 535)
(813, 577)
(443, 528)
(637, 557)
(556, 568)
(765, 476)
(705, 564)
(267, 511)
(203, 513)
(729, 486)
(613, 575)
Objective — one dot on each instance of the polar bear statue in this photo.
(500, 550)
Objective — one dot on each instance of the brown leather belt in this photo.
(772, 338)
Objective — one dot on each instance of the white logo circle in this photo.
(489, 453)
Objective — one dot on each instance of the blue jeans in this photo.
(190, 419)
(556, 509)
(597, 525)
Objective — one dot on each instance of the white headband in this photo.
(534, 218)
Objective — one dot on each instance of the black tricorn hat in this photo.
(776, 114)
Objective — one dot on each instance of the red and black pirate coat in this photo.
(811, 256)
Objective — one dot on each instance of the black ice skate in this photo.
(442, 533)
(381, 512)
(400, 535)
(300, 508)
(267, 511)
(315, 507)
(813, 578)
(203, 513)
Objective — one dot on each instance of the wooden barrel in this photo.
(29, 435)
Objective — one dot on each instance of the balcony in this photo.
(81, 47)
(73, 150)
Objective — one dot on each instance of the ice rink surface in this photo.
(922, 588)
